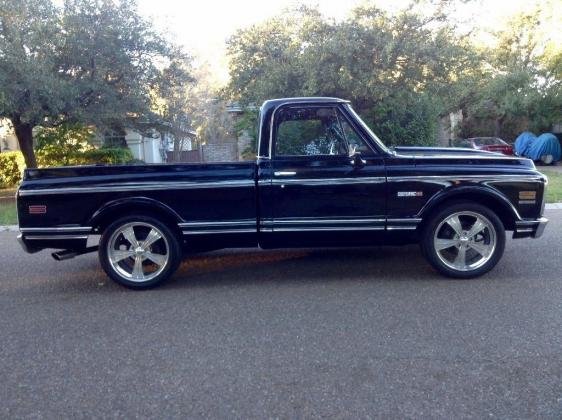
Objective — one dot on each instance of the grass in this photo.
(554, 188)
(8, 214)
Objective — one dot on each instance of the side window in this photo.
(309, 131)
(356, 143)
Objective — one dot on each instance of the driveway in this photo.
(328, 333)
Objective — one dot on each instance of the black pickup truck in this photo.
(321, 178)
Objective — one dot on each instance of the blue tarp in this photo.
(545, 144)
(523, 143)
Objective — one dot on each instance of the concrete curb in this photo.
(15, 228)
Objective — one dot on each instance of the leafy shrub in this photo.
(107, 155)
(71, 144)
(63, 145)
(11, 168)
(111, 155)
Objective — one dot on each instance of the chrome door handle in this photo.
(284, 173)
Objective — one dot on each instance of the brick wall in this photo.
(220, 152)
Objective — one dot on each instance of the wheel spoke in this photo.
(119, 255)
(481, 248)
(157, 259)
(152, 237)
(441, 244)
(455, 224)
(460, 260)
(476, 228)
(130, 236)
(138, 272)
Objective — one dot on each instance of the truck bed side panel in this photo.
(196, 193)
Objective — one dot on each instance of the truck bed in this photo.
(74, 196)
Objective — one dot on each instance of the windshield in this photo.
(367, 129)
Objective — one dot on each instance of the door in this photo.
(325, 182)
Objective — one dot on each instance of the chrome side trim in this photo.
(70, 229)
(330, 181)
(222, 227)
(284, 173)
(409, 223)
(53, 237)
(405, 220)
(139, 186)
(287, 221)
(321, 229)
(218, 231)
(491, 178)
(213, 224)
(405, 227)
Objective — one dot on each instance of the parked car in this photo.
(321, 178)
(489, 144)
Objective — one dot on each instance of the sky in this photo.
(202, 26)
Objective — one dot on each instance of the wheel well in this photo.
(500, 208)
(110, 215)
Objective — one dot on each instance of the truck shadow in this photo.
(302, 266)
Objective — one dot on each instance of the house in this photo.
(149, 147)
(8, 140)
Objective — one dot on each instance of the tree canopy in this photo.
(402, 70)
(88, 61)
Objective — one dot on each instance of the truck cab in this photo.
(319, 173)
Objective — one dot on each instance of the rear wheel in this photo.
(139, 252)
(464, 240)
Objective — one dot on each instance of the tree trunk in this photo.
(498, 126)
(24, 134)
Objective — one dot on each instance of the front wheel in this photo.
(464, 240)
(139, 252)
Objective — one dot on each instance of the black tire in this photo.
(464, 211)
(168, 246)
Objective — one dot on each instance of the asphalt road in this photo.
(328, 333)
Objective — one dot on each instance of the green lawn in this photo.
(554, 189)
(8, 212)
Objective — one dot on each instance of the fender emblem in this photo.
(38, 209)
(409, 194)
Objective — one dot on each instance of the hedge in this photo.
(12, 163)
(111, 155)
(11, 168)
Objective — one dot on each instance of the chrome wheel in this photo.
(138, 251)
(465, 241)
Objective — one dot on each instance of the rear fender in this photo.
(132, 205)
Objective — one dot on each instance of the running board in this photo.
(67, 254)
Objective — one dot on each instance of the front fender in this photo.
(472, 192)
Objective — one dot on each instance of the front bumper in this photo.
(530, 228)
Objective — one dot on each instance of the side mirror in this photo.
(356, 160)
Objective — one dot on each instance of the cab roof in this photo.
(274, 103)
